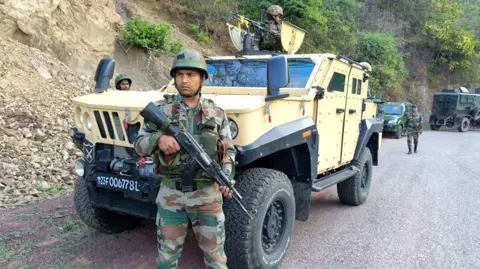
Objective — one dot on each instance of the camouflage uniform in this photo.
(268, 40)
(208, 124)
(414, 126)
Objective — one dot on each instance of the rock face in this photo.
(35, 113)
(77, 32)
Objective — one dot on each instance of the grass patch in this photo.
(71, 225)
(7, 254)
(200, 36)
(51, 191)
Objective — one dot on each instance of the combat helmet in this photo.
(275, 10)
(121, 77)
(189, 59)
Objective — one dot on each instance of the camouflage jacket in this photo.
(414, 122)
(268, 40)
(193, 121)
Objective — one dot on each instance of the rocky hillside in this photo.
(77, 32)
(36, 156)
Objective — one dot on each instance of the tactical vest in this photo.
(203, 124)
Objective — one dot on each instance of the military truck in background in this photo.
(455, 108)
(300, 124)
(396, 117)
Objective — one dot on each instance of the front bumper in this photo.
(390, 128)
(140, 202)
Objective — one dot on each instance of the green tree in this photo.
(388, 68)
(455, 41)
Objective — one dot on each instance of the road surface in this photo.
(423, 212)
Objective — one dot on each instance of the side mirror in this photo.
(103, 74)
(277, 77)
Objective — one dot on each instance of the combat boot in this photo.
(415, 149)
(409, 150)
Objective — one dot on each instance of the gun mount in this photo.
(246, 35)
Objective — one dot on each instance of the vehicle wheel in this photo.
(102, 220)
(355, 190)
(262, 242)
(464, 125)
(398, 133)
(435, 127)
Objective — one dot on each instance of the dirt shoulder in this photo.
(49, 234)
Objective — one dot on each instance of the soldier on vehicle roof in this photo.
(123, 82)
(272, 41)
(414, 125)
(208, 124)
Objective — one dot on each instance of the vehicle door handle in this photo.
(351, 111)
(340, 110)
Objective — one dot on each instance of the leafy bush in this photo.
(153, 37)
(380, 50)
(199, 35)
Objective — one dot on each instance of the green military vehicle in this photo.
(395, 117)
(458, 108)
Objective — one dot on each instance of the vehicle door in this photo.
(353, 114)
(331, 115)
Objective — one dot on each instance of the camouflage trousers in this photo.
(410, 135)
(205, 210)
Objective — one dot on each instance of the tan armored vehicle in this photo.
(300, 124)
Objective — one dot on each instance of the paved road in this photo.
(423, 212)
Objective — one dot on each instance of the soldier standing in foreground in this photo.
(123, 82)
(208, 124)
(414, 129)
(271, 41)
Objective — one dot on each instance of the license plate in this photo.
(119, 183)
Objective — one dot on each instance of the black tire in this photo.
(355, 190)
(398, 133)
(464, 125)
(247, 241)
(102, 220)
(434, 127)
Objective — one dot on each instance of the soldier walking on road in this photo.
(208, 124)
(414, 125)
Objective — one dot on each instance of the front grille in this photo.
(105, 123)
(111, 126)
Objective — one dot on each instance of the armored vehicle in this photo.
(299, 123)
(395, 117)
(458, 108)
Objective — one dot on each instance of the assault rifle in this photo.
(239, 19)
(189, 145)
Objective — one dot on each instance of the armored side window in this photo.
(354, 85)
(359, 87)
(337, 83)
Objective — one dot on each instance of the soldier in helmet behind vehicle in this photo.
(414, 125)
(208, 124)
(271, 41)
(123, 82)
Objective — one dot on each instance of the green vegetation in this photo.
(200, 36)
(153, 37)
(408, 43)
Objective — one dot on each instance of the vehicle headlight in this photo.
(87, 121)
(233, 128)
(80, 168)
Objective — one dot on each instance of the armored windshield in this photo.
(253, 72)
(393, 109)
